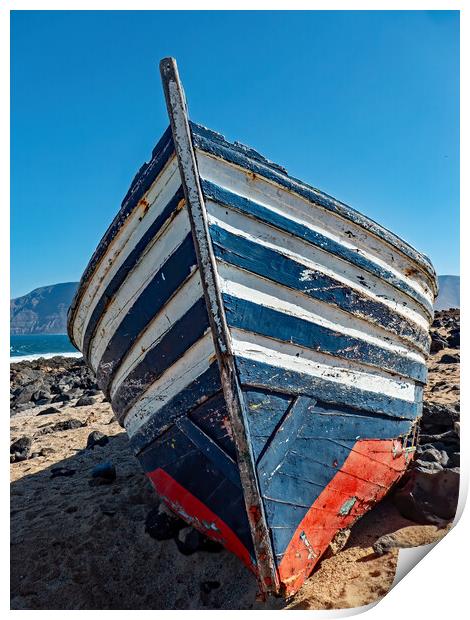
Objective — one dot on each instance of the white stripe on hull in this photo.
(298, 209)
(314, 260)
(135, 226)
(248, 286)
(194, 362)
(153, 259)
(173, 310)
(291, 357)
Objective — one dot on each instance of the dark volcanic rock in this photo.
(162, 525)
(63, 425)
(439, 418)
(105, 473)
(96, 439)
(429, 496)
(20, 450)
(41, 395)
(62, 398)
(49, 411)
(93, 392)
(453, 341)
(449, 358)
(437, 342)
(84, 401)
(189, 540)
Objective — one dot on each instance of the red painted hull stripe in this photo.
(193, 511)
(330, 512)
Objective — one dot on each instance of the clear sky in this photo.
(363, 105)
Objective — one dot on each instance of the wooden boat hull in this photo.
(263, 345)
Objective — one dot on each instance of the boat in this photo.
(263, 344)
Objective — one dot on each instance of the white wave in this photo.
(47, 356)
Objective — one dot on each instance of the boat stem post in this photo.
(182, 137)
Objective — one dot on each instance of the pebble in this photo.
(49, 411)
(96, 439)
(105, 472)
(450, 358)
(84, 401)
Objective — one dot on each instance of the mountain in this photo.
(449, 293)
(43, 311)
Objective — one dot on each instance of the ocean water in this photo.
(40, 345)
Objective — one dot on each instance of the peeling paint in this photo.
(347, 506)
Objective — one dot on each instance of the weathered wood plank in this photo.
(150, 302)
(130, 262)
(283, 437)
(265, 410)
(253, 317)
(261, 375)
(316, 239)
(267, 263)
(212, 417)
(179, 338)
(203, 387)
(215, 144)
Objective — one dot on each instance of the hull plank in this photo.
(127, 266)
(164, 284)
(267, 263)
(180, 337)
(203, 387)
(250, 316)
(267, 376)
(263, 344)
(279, 221)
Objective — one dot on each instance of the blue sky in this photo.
(363, 105)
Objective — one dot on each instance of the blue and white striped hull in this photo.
(261, 343)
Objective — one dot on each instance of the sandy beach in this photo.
(78, 542)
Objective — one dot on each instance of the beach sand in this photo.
(75, 545)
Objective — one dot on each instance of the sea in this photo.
(30, 347)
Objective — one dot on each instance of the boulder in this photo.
(437, 343)
(20, 450)
(428, 496)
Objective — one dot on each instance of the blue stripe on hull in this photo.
(164, 284)
(247, 158)
(204, 387)
(260, 374)
(179, 338)
(169, 211)
(243, 253)
(272, 218)
(253, 317)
